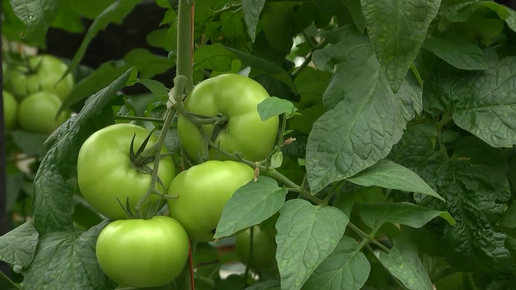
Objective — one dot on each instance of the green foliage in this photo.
(394, 166)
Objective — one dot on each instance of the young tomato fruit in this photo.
(47, 70)
(143, 253)
(203, 191)
(10, 110)
(264, 248)
(105, 172)
(237, 97)
(37, 113)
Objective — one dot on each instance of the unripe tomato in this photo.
(10, 110)
(203, 190)
(106, 175)
(264, 248)
(237, 97)
(37, 113)
(48, 70)
(143, 253)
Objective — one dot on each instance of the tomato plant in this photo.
(263, 253)
(142, 253)
(374, 139)
(40, 73)
(106, 175)
(237, 97)
(38, 113)
(10, 110)
(202, 192)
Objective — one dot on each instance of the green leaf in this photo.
(114, 13)
(365, 118)
(250, 205)
(397, 30)
(461, 12)
(265, 66)
(273, 106)
(355, 9)
(14, 184)
(53, 195)
(404, 264)
(388, 174)
(375, 215)
(346, 268)
(511, 20)
(252, 10)
(473, 181)
(158, 89)
(18, 246)
(66, 260)
(481, 102)
(146, 63)
(456, 50)
(509, 217)
(306, 236)
(213, 57)
(37, 15)
(30, 143)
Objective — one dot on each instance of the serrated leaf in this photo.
(250, 205)
(346, 268)
(404, 264)
(252, 10)
(114, 13)
(456, 50)
(53, 195)
(375, 215)
(397, 29)
(306, 236)
(274, 106)
(482, 102)
(30, 143)
(18, 246)
(365, 118)
(473, 181)
(37, 15)
(66, 260)
(388, 174)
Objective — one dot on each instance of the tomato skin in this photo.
(203, 190)
(105, 173)
(264, 248)
(49, 72)
(10, 110)
(143, 253)
(37, 113)
(237, 97)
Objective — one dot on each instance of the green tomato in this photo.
(37, 113)
(105, 173)
(10, 110)
(202, 192)
(49, 70)
(264, 248)
(143, 253)
(236, 97)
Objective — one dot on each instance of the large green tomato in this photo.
(49, 70)
(237, 97)
(37, 113)
(143, 253)
(264, 248)
(203, 191)
(10, 110)
(105, 171)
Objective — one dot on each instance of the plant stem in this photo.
(308, 59)
(367, 237)
(184, 43)
(135, 118)
(246, 272)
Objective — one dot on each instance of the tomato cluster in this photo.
(34, 95)
(112, 182)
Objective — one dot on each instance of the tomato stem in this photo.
(308, 59)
